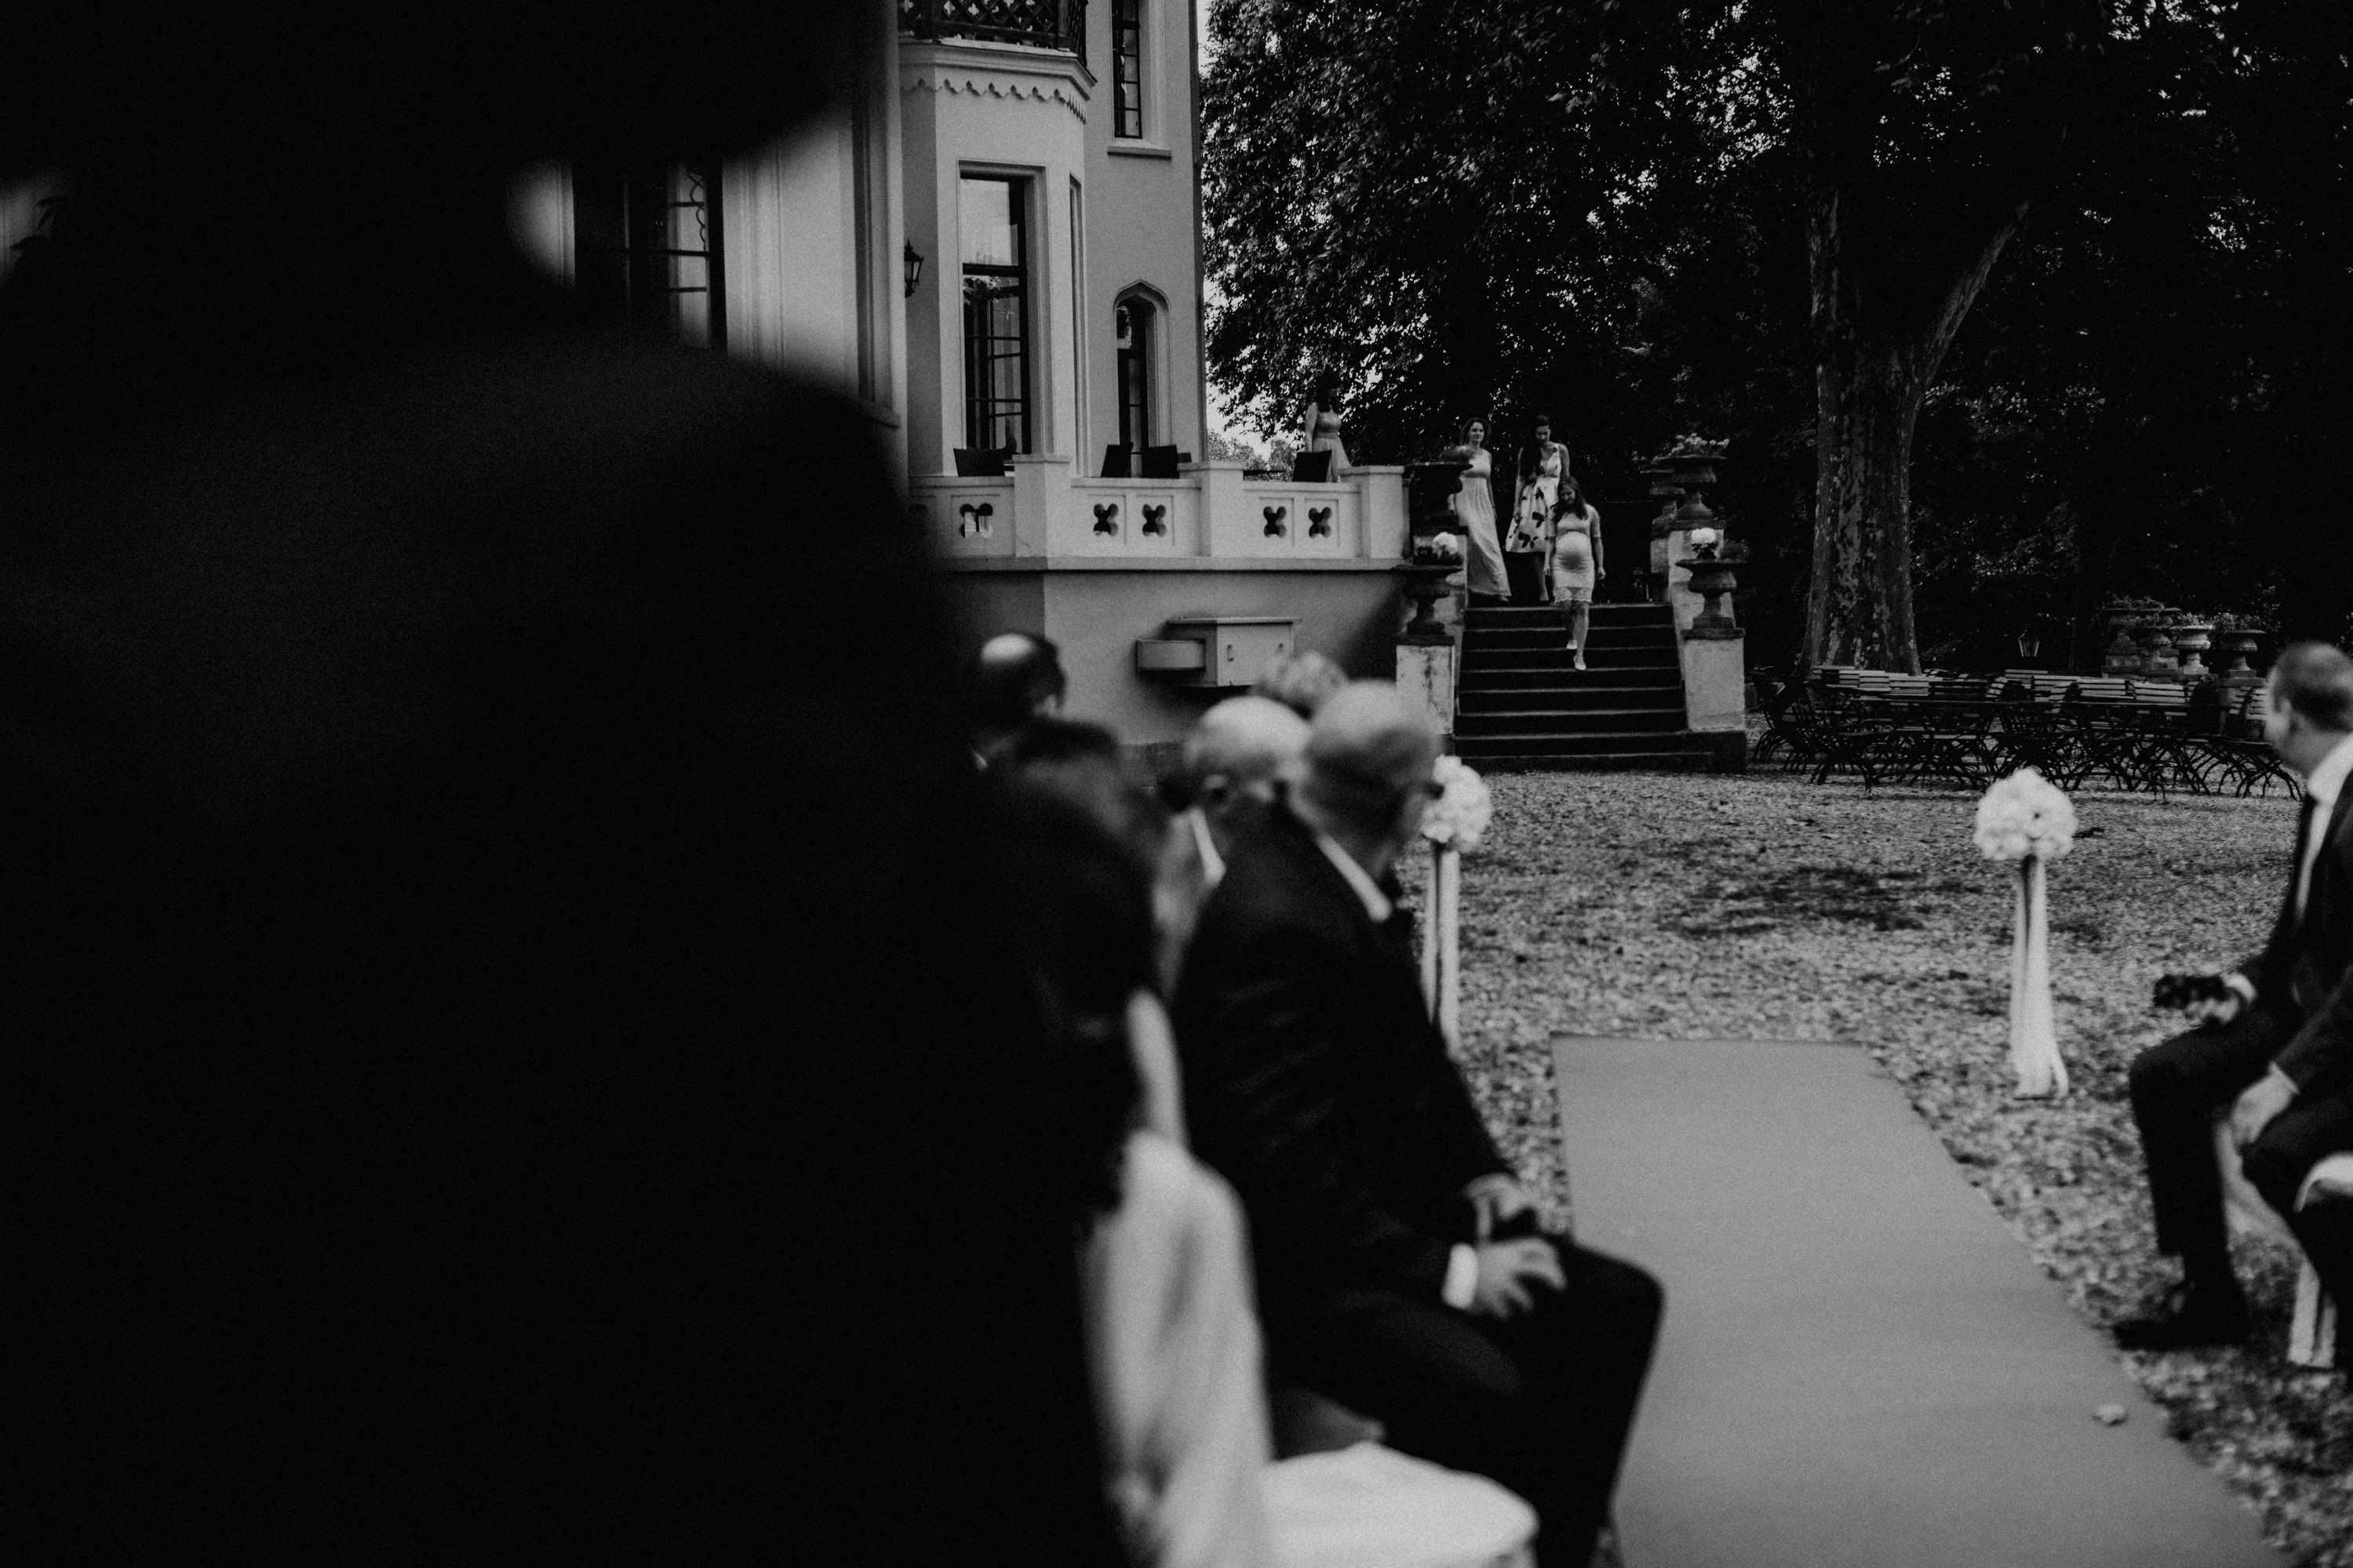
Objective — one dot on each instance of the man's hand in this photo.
(1495, 1202)
(1509, 1270)
(2265, 1097)
(2215, 1010)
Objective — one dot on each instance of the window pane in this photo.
(991, 222)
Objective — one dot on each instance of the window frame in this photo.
(1135, 361)
(979, 426)
(1130, 101)
(646, 219)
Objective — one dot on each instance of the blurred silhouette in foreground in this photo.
(467, 848)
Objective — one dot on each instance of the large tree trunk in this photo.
(1858, 610)
(1876, 352)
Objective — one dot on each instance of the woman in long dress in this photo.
(1474, 510)
(1543, 464)
(1322, 424)
(1575, 563)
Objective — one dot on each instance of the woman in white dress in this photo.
(1474, 510)
(1322, 424)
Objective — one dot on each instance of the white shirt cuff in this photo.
(1462, 1277)
(2242, 985)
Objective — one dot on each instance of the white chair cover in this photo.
(2312, 1331)
(1371, 1507)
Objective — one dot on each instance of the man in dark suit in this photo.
(2278, 1050)
(1398, 1266)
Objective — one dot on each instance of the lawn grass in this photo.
(1695, 906)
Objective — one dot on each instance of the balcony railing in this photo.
(1042, 23)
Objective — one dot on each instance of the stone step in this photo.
(1587, 743)
(1486, 639)
(1599, 677)
(1572, 722)
(1659, 695)
(1615, 762)
(1557, 657)
(1602, 614)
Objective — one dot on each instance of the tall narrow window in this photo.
(646, 246)
(1128, 67)
(1134, 328)
(992, 212)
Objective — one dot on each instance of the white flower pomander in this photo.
(1449, 545)
(1458, 818)
(2025, 816)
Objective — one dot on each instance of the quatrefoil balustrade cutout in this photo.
(1107, 517)
(1274, 516)
(975, 520)
(1319, 520)
(1155, 520)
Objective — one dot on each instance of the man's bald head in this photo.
(1247, 739)
(1014, 678)
(1368, 751)
(1234, 759)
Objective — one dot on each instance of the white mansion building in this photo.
(992, 243)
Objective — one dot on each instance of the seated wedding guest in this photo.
(1231, 769)
(1173, 1343)
(1013, 678)
(2275, 1051)
(1397, 1261)
(1300, 681)
(498, 1064)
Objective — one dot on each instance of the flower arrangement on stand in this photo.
(1455, 822)
(2028, 821)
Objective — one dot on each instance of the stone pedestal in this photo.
(1715, 693)
(1425, 676)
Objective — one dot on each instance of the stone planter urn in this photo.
(2237, 648)
(1425, 583)
(2123, 655)
(2156, 651)
(1712, 578)
(1690, 467)
(2191, 641)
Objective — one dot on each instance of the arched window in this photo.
(1135, 321)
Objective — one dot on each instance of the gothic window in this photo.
(1134, 324)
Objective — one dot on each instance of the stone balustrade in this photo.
(1043, 508)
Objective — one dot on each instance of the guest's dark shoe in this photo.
(2193, 1315)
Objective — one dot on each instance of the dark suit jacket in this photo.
(1316, 1083)
(2301, 972)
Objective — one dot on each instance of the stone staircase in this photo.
(1520, 705)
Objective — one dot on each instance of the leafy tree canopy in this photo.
(2099, 252)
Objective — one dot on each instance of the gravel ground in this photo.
(1695, 906)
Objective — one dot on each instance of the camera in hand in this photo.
(2175, 991)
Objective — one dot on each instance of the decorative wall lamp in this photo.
(910, 265)
(2030, 643)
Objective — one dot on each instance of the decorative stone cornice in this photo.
(1012, 72)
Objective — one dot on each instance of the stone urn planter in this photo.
(2124, 656)
(2156, 650)
(1425, 583)
(2237, 648)
(1712, 577)
(2191, 640)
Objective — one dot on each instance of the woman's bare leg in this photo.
(1578, 613)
